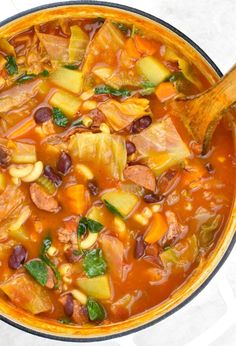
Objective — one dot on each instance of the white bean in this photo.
(79, 296)
(35, 174)
(25, 213)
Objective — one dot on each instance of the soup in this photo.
(106, 204)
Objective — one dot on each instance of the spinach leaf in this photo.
(44, 73)
(86, 224)
(147, 91)
(112, 209)
(122, 27)
(59, 118)
(71, 67)
(25, 78)
(38, 270)
(47, 242)
(77, 122)
(176, 76)
(11, 65)
(105, 89)
(94, 263)
(96, 311)
(207, 231)
(147, 84)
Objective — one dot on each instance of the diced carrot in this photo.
(157, 229)
(145, 46)
(131, 49)
(76, 198)
(165, 91)
(21, 128)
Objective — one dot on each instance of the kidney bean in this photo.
(64, 163)
(42, 114)
(52, 175)
(17, 257)
(141, 124)
(4, 156)
(130, 147)
(69, 305)
(93, 188)
(139, 247)
(153, 198)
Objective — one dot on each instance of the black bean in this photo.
(17, 257)
(139, 247)
(130, 147)
(209, 168)
(141, 124)
(42, 114)
(64, 163)
(69, 305)
(52, 175)
(153, 198)
(93, 188)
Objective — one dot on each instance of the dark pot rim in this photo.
(230, 247)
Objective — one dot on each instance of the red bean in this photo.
(52, 175)
(64, 163)
(153, 198)
(42, 114)
(130, 148)
(141, 124)
(93, 188)
(17, 257)
(139, 247)
(69, 305)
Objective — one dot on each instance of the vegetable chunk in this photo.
(68, 79)
(120, 202)
(160, 146)
(97, 287)
(78, 43)
(152, 70)
(27, 294)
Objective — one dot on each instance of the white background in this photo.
(210, 319)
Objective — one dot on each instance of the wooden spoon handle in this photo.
(201, 113)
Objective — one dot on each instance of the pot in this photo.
(208, 268)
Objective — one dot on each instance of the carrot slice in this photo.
(76, 198)
(165, 91)
(157, 229)
(21, 128)
(131, 49)
(145, 46)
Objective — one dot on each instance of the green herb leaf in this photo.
(64, 320)
(207, 231)
(77, 252)
(25, 78)
(77, 122)
(47, 242)
(44, 73)
(71, 67)
(147, 84)
(96, 311)
(147, 91)
(122, 27)
(11, 65)
(176, 76)
(59, 118)
(38, 270)
(135, 31)
(105, 89)
(94, 263)
(112, 209)
(86, 224)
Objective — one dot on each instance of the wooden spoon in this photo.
(201, 113)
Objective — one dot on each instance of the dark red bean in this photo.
(130, 147)
(93, 188)
(73, 256)
(52, 175)
(64, 163)
(141, 124)
(5, 156)
(17, 257)
(69, 305)
(153, 198)
(139, 247)
(209, 168)
(42, 114)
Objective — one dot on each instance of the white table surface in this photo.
(210, 319)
